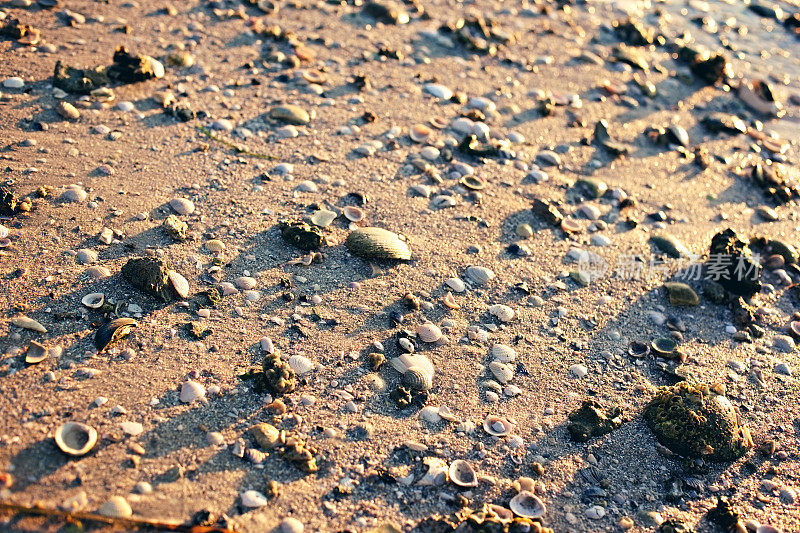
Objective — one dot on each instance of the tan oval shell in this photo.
(420, 133)
(501, 371)
(429, 332)
(456, 284)
(527, 505)
(377, 243)
(116, 507)
(28, 323)
(479, 274)
(462, 474)
(497, 426)
(94, 300)
(504, 353)
(323, 218)
(179, 284)
(417, 378)
(301, 364)
(76, 439)
(36, 353)
(408, 360)
(353, 214)
(502, 312)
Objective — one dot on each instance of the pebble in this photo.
(291, 525)
(595, 512)
(86, 256)
(253, 498)
(439, 91)
(74, 194)
(14, 82)
(579, 371)
(182, 206)
(600, 240)
(143, 487)
(191, 391)
(222, 125)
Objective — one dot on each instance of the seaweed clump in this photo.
(591, 420)
(301, 235)
(695, 422)
(275, 376)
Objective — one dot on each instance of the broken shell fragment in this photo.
(527, 505)
(323, 218)
(94, 300)
(36, 353)
(112, 331)
(437, 472)
(28, 323)
(76, 439)
(377, 243)
(497, 426)
(462, 474)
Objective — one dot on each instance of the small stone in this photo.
(253, 498)
(67, 111)
(74, 194)
(191, 391)
(595, 512)
(291, 114)
(681, 294)
(291, 525)
(579, 371)
(14, 82)
(215, 438)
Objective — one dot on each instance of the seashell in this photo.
(527, 505)
(638, 349)
(253, 498)
(36, 353)
(503, 353)
(323, 218)
(479, 274)
(437, 472)
(3, 232)
(300, 364)
(420, 133)
(417, 378)
(450, 301)
(28, 323)
(438, 122)
(353, 214)
(315, 76)
(377, 243)
(429, 332)
(112, 331)
(502, 312)
(245, 283)
(766, 528)
(497, 426)
(503, 515)
(437, 90)
(5, 242)
(456, 284)
(116, 507)
(76, 439)
(462, 474)
(501, 371)
(408, 360)
(179, 284)
(430, 414)
(191, 391)
(446, 413)
(406, 344)
(663, 346)
(94, 300)
(473, 182)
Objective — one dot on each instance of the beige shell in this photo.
(479, 274)
(450, 301)
(501, 371)
(456, 284)
(446, 413)
(76, 439)
(437, 472)
(94, 300)
(28, 323)
(417, 378)
(36, 353)
(377, 243)
(179, 284)
(504, 353)
(408, 360)
(353, 214)
(502, 312)
(429, 332)
(323, 218)
(301, 364)
(503, 514)
(497, 426)
(462, 474)
(527, 505)
(420, 133)
(116, 507)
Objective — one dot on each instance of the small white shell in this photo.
(28, 323)
(430, 414)
(406, 344)
(323, 218)
(504, 353)
(497, 426)
(76, 439)
(462, 474)
(179, 284)
(191, 391)
(407, 360)
(501, 371)
(3, 232)
(479, 274)
(527, 505)
(503, 312)
(94, 300)
(300, 364)
(253, 498)
(353, 214)
(429, 332)
(437, 472)
(420, 133)
(456, 284)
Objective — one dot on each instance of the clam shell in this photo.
(417, 378)
(323, 218)
(501, 371)
(502, 312)
(408, 360)
(504, 353)
(94, 300)
(420, 133)
(503, 515)
(353, 214)
(116, 507)
(429, 332)
(179, 284)
(462, 474)
(437, 472)
(301, 364)
(479, 275)
(112, 331)
(377, 243)
(527, 505)
(429, 413)
(36, 353)
(456, 284)
(28, 323)
(497, 426)
(191, 391)
(74, 438)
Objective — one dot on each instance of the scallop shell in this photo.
(28, 323)
(429, 332)
(479, 274)
(504, 353)
(76, 439)
(462, 474)
(497, 426)
(353, 214)
(417, 378)
(112, 331)
(503, 312)
(36, 353)
(300, 364)
(94, 300)
(527, 505)
(437, 472)
(323, 218)
(377, 243)
(180, 285)
(501, 371)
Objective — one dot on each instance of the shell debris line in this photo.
(387, 266)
